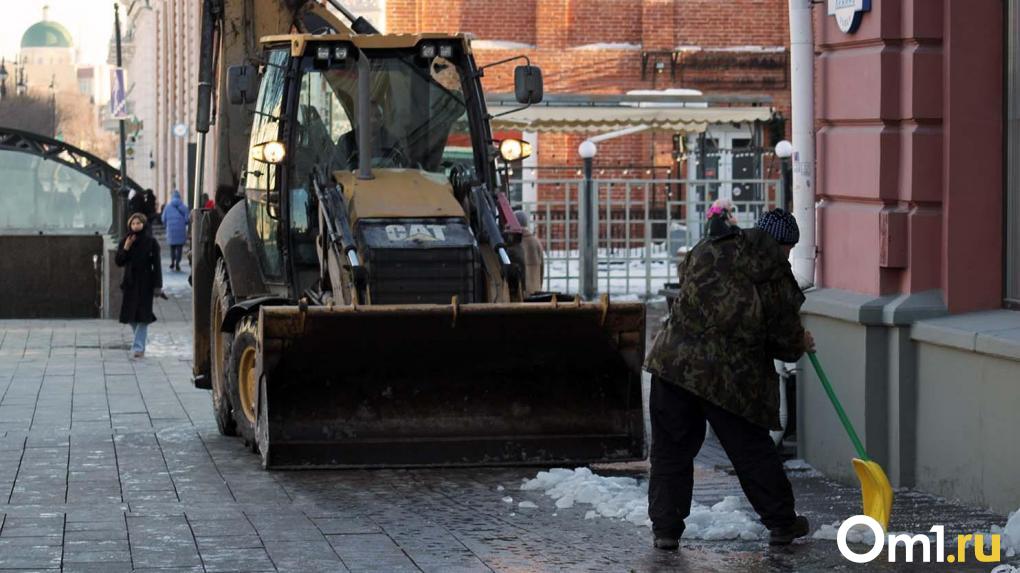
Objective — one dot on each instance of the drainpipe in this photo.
(802, 55)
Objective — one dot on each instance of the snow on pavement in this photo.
(857, 534)
(626, 499)
(175, 283)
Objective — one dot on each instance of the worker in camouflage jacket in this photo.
(738, 309)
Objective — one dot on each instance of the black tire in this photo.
(219, 348)
(245, 342)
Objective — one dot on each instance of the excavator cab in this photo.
(367, 308)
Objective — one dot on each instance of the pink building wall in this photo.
(910, 150)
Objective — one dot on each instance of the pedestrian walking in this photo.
(136, 202)
(738, 308)
(149, 202)
(138, 253)
(175, 219)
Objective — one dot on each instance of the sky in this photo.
(89, 21)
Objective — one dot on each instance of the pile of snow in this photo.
(1010, 541)
(724, 520)
(627, 499)
(614, 497)
(1005, 569)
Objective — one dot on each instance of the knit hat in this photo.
(723, 208)
(781, 225)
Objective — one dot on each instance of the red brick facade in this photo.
(597, 46)
(611, 47)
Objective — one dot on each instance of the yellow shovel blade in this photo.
(875, 491)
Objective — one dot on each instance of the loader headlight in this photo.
(322, 53)
(514, 150)
(427, 51)
(446, 51)
(340, 53)
(271, 152)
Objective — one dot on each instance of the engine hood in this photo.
(399, 194)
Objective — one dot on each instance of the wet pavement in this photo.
(112, 464)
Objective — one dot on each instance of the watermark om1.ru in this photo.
(910, 542)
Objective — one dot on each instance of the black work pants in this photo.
(678, 431)
(175, 255)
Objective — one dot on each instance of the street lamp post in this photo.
(588, 226)
(3, 78)
(120, 207)
(784, 151)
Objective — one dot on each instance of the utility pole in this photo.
(120, 210)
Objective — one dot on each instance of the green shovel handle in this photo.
(839, 408)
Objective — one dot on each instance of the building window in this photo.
(1012, 233)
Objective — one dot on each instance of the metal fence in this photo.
(644, 226)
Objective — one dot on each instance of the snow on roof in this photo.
(608, 46)
(666, 92)
(500, 45)
(736, 49)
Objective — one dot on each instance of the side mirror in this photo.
(242, 84)
(528, 86)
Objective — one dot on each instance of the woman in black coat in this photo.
(138, 253)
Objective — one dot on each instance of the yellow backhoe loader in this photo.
(359, 300)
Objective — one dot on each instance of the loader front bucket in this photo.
(435, 385)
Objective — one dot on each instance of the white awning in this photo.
(601, 119)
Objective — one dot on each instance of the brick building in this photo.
(918, 261)
(615, 46)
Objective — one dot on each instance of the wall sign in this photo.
(848, 13)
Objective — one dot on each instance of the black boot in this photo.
(667, 544)
(667, 541)
(785, 535)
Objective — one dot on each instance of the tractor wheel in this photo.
(242, 378)
(219, 348)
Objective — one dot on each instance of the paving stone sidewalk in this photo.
(112, 464)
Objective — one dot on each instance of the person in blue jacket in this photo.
(175, 219)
